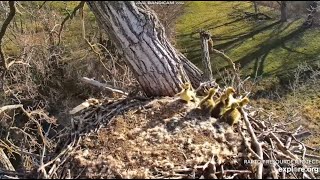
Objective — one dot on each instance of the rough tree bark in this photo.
(193, 72)
(283, 9)
(157, 66)
(205, 41)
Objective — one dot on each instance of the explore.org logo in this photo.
(314, 162)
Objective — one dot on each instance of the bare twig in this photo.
(69, 16)
(224, 56)
(281, 146)
(44, 2)
(290, 137)
(308, 155)
(255, 143)
(3, 31)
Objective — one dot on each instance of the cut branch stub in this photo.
(206, 45)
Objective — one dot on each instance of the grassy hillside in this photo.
(268, 48)
(262, 48)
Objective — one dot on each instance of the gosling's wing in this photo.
(227, 116)
(193, 96)
(224, 110)
(236, 116)
(186, 95)
(179, 93)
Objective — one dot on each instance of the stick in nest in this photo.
(256, 144)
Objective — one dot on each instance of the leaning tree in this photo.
(136, 30)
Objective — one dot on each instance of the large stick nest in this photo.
(167, 138)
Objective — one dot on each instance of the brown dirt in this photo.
(153, 140)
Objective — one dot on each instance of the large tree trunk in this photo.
(283, 9)
(154, 61)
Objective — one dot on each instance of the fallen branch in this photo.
(101, 85)
(84, 105)
(246, 143)
(187, 169)
(5, 162)
(205, 41)
(273, 168)
(9, 107)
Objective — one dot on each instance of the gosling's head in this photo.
(186, 85)
(230, 90)
(212, 92)
(244, 101)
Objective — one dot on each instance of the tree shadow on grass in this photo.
(277, 29)
(211, 26)
(292, 50)
(264, 49)
(194, 40)
(246, 36)
(195, 54)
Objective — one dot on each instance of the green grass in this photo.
(268, 48)
(265, 48)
